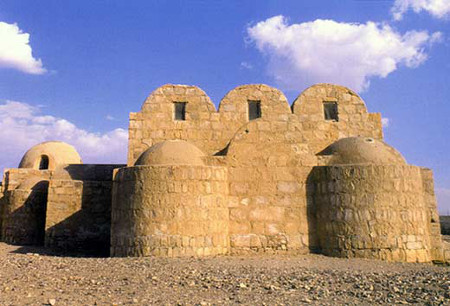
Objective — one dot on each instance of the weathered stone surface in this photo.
(254, 176)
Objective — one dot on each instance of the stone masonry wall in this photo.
(354, 120)
(24, 215)
(437, 252)
(78, 216)
(269, 162)
(13, 177)
(211, 131)
(79, 209)
(169, 211)
(22, 207)
(372, 211)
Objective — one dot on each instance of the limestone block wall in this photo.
(22, 205)
(372, 211)
(79, 209)
(64, 200)
(24, 214)
(13, 177)
(211, 131)
(170, 211)
(268, 164)
(354, 120)
(156, 122)
(437, 252)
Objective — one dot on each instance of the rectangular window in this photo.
(180, 110)
(330, 110)
(254, 110)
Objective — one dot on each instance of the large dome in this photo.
(48, 155)
(171, 152)
(362, 150)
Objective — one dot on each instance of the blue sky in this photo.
(87, 64)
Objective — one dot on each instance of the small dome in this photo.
(48, 155)
(171, 152)
(362, 150)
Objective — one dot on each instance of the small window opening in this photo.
(330, 110)
(180, 110)
(43, 164)
(254, 110)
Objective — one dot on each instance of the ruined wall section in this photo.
(170, 211)
(269, 162)
(372, 211)
(353, 118)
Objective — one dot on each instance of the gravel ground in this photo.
(29, 276)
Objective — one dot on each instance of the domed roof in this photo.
(48, 155)
(362, 150)
(171, 152)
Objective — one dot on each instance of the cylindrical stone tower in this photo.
(170, 204)
(370, 204)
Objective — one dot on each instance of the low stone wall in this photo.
(372, 211)
(169, 211)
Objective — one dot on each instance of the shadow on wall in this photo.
(311, 210)
(84, 231)
(25, 224)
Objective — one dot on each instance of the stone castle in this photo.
(255, 176)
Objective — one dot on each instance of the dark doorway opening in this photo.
(43, 164)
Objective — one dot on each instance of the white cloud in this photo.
(23, 125)
(437, 8)
(246, 65)
(443, 199)
(385, 122)
(336, 52)
(16, 52)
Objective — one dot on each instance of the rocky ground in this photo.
(28, 276)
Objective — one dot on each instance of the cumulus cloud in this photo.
(16, 52)
(443, 199)
(336, 52)
(437, 8)
(23, 125)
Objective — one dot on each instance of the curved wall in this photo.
(169, 211)
(372, 211)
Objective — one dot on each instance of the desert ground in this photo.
(35, 276)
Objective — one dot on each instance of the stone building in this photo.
(255, 176)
